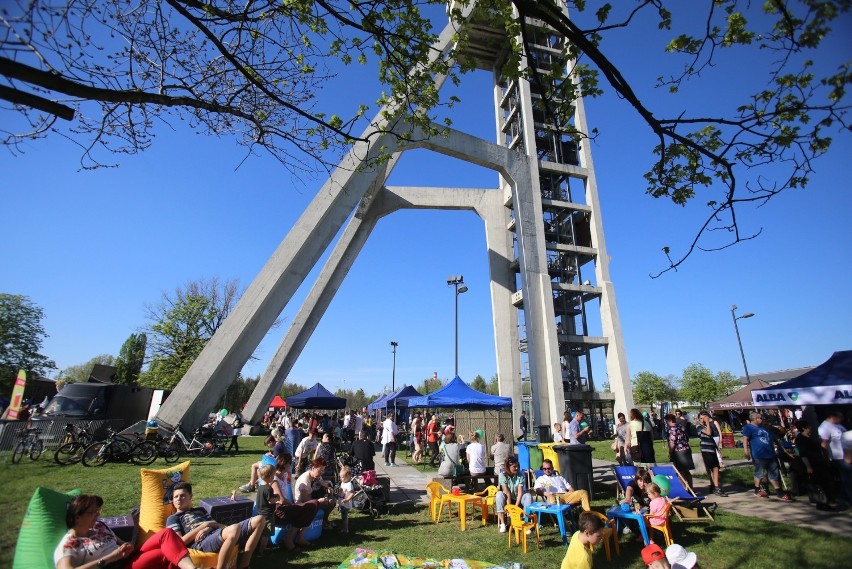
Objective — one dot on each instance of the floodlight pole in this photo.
(739, 341)
(460, 288)
(393, 372)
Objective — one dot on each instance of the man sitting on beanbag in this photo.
(200, 532)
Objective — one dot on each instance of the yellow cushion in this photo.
(155, 505)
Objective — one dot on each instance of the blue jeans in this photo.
(500, 500)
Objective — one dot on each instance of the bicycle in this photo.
(30, 444)
(75, 442)
(198, 446)
(117, 448)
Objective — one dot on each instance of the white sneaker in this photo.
(502, 528)
(627, 531)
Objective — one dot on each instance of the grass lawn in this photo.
(734, 541)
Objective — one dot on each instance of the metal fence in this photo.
(52, 432)
(490, 422)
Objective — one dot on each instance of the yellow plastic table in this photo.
(463, 500)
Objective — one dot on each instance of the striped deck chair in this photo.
(687, 506)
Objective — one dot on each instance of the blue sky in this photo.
(92, 248)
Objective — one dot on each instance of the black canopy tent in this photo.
(317, 397)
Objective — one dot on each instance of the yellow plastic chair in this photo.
(666, 528)
(608, 532)
(519, 524)
(437, 498)
(487, 496)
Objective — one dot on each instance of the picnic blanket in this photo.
(367, 559)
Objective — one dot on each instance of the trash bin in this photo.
(549, 454)
(575, 466)
(543, 433)
(524, 454)
(536, 456)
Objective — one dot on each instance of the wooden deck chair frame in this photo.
(688, 508)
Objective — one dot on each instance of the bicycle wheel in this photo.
(18, 453)
(121, 450)
(96, 454)
(145, 452)
(69, 453)
(170, 453)
(36, 449)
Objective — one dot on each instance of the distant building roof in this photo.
(773, 377)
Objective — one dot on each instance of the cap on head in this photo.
(679, 557)
(652, 553)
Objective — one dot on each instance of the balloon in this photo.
(664, 484)
(223, 412)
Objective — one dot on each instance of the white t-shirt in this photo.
(833, 432)
(389, 428)
(552, 483)
(359, 423)
(306, 448)
(476, 458)
(345, 489)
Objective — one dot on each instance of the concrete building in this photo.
(550, 283)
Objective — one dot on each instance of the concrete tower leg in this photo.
(310, 313)
(504, 314)
(226, 353)
(616, 357)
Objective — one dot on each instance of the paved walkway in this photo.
(409, 483)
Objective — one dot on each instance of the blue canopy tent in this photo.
(380, 402)
(400, 398)
(317, 397)
(827, 384)
(459, 395)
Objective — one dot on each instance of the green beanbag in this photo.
(42, 528)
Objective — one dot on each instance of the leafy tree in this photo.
(114, 74)
(21, 338)
(289, 389)
(727, 383)
(81, 372)
(130, 359)
(651, 389)
(699, 385)
(494, 385)
(479, 384)
(181, 324)
(430, 385)
(238, 393)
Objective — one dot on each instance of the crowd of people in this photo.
(292, 482)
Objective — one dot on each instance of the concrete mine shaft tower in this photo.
(548, 264)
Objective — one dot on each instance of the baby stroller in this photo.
(369, 497)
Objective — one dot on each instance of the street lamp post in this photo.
(393, 372)
(740, 342)
(460, 288)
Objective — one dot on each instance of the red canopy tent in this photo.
(277, 403)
